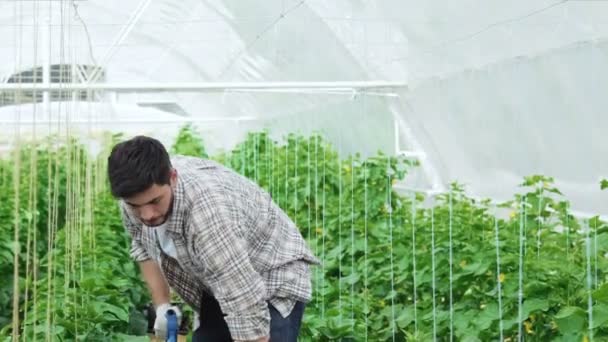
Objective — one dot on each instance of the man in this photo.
(216, 238)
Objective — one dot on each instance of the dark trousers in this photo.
(213, 327)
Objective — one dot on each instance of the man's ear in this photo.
(173, 177)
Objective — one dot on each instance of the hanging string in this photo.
(595, 251)
(499, 278)
(365, 231)
(286, 204)
(243, 151)
(269, 161)
(309, 189)
(273, 191)
(433, 284)
(323, 229)
(451, 260)
(415, 297)
(17, 13)
(540, 223)
(389, 173)
(339, 167)
(295, 179)
(522, 229)
(352, 243)
(76, 251)
(589, 278)
(317, 213)
(32, 236)
(568, 252)
(365, 250)
(256, 138)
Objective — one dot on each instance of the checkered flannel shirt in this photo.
(233, 242)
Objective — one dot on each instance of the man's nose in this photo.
(146, 213)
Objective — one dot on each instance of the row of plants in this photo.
(398, 266)
(408, 267)
(75, 278)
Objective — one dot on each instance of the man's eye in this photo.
(156, 201)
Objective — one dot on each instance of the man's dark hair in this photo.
(137, 164)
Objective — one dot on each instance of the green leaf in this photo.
(477, 268)
(570, 320)
(533, 304)
(471, 339)
(600, 315)
(461, 321)
(604, 184)
(485, 319)
(106, 308)
(131, 338)
(601, 294)
(405, 317)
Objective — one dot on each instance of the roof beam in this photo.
(211, 87)
(120, 38)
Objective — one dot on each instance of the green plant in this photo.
(363, 232)
(84, 285)
(411, 267)
(189, 143)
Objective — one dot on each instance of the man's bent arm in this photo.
(157, 284)
(159, 289)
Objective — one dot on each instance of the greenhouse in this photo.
(446, 164)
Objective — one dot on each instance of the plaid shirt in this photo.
(231, 241)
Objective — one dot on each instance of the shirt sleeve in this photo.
(138, 253)
(221, 255)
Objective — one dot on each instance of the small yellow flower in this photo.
(528, 326)
(382, 303)
(513, 214)
(394, 181)
(501, 277)
(319, 230)
(585, 338)
(463, 263)
(553, 325)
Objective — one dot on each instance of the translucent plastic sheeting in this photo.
(359, 124)
(497, 90)
(315, 40)
(543, 115)
(290, 39)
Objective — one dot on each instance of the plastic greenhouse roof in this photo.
(495, 90)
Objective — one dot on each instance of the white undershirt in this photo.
(165, 241)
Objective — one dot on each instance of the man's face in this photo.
(153, 206)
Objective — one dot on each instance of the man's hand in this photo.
(160, 324)
(196, 322)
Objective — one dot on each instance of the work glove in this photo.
(196, 322)
(160, 324)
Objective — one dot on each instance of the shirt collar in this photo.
(178, 213)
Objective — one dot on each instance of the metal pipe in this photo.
(177, 120)
(202, 86)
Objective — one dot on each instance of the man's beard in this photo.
(166, 216)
